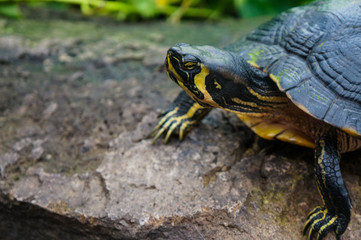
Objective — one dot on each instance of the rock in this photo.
(76, 76)
(50, 109)
(19, 145)
(6, 160)
(11, 48)
(37, 150)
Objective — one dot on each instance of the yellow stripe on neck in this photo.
(200, 82)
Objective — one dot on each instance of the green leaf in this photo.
(10, 10)
(253, 8)
(146, 8)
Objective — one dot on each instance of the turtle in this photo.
(295, 78)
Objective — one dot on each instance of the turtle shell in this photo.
(313, 53)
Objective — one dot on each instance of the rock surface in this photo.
(76, 103)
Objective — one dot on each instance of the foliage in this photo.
(10, 10)
(252, 8)
(174, 10)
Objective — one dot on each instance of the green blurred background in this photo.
(172, 10)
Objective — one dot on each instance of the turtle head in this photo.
(211, 76)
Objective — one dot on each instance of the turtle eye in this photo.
(190, 65)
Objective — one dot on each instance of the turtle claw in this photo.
(172, 122)
(183, 114)
(320, 222)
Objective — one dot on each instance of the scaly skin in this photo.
(336, 212)
(223, 79)
(180, 117)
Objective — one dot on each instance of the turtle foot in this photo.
(320, 222)
(173, 121)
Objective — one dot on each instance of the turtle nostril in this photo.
(174, 54)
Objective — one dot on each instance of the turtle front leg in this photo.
(182, 115)
(336, 212)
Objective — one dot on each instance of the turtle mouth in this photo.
(172, 63)
(173, 77)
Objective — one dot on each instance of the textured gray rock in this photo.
(7, 159)
(75, 162)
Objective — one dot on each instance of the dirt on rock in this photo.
(77, 100)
